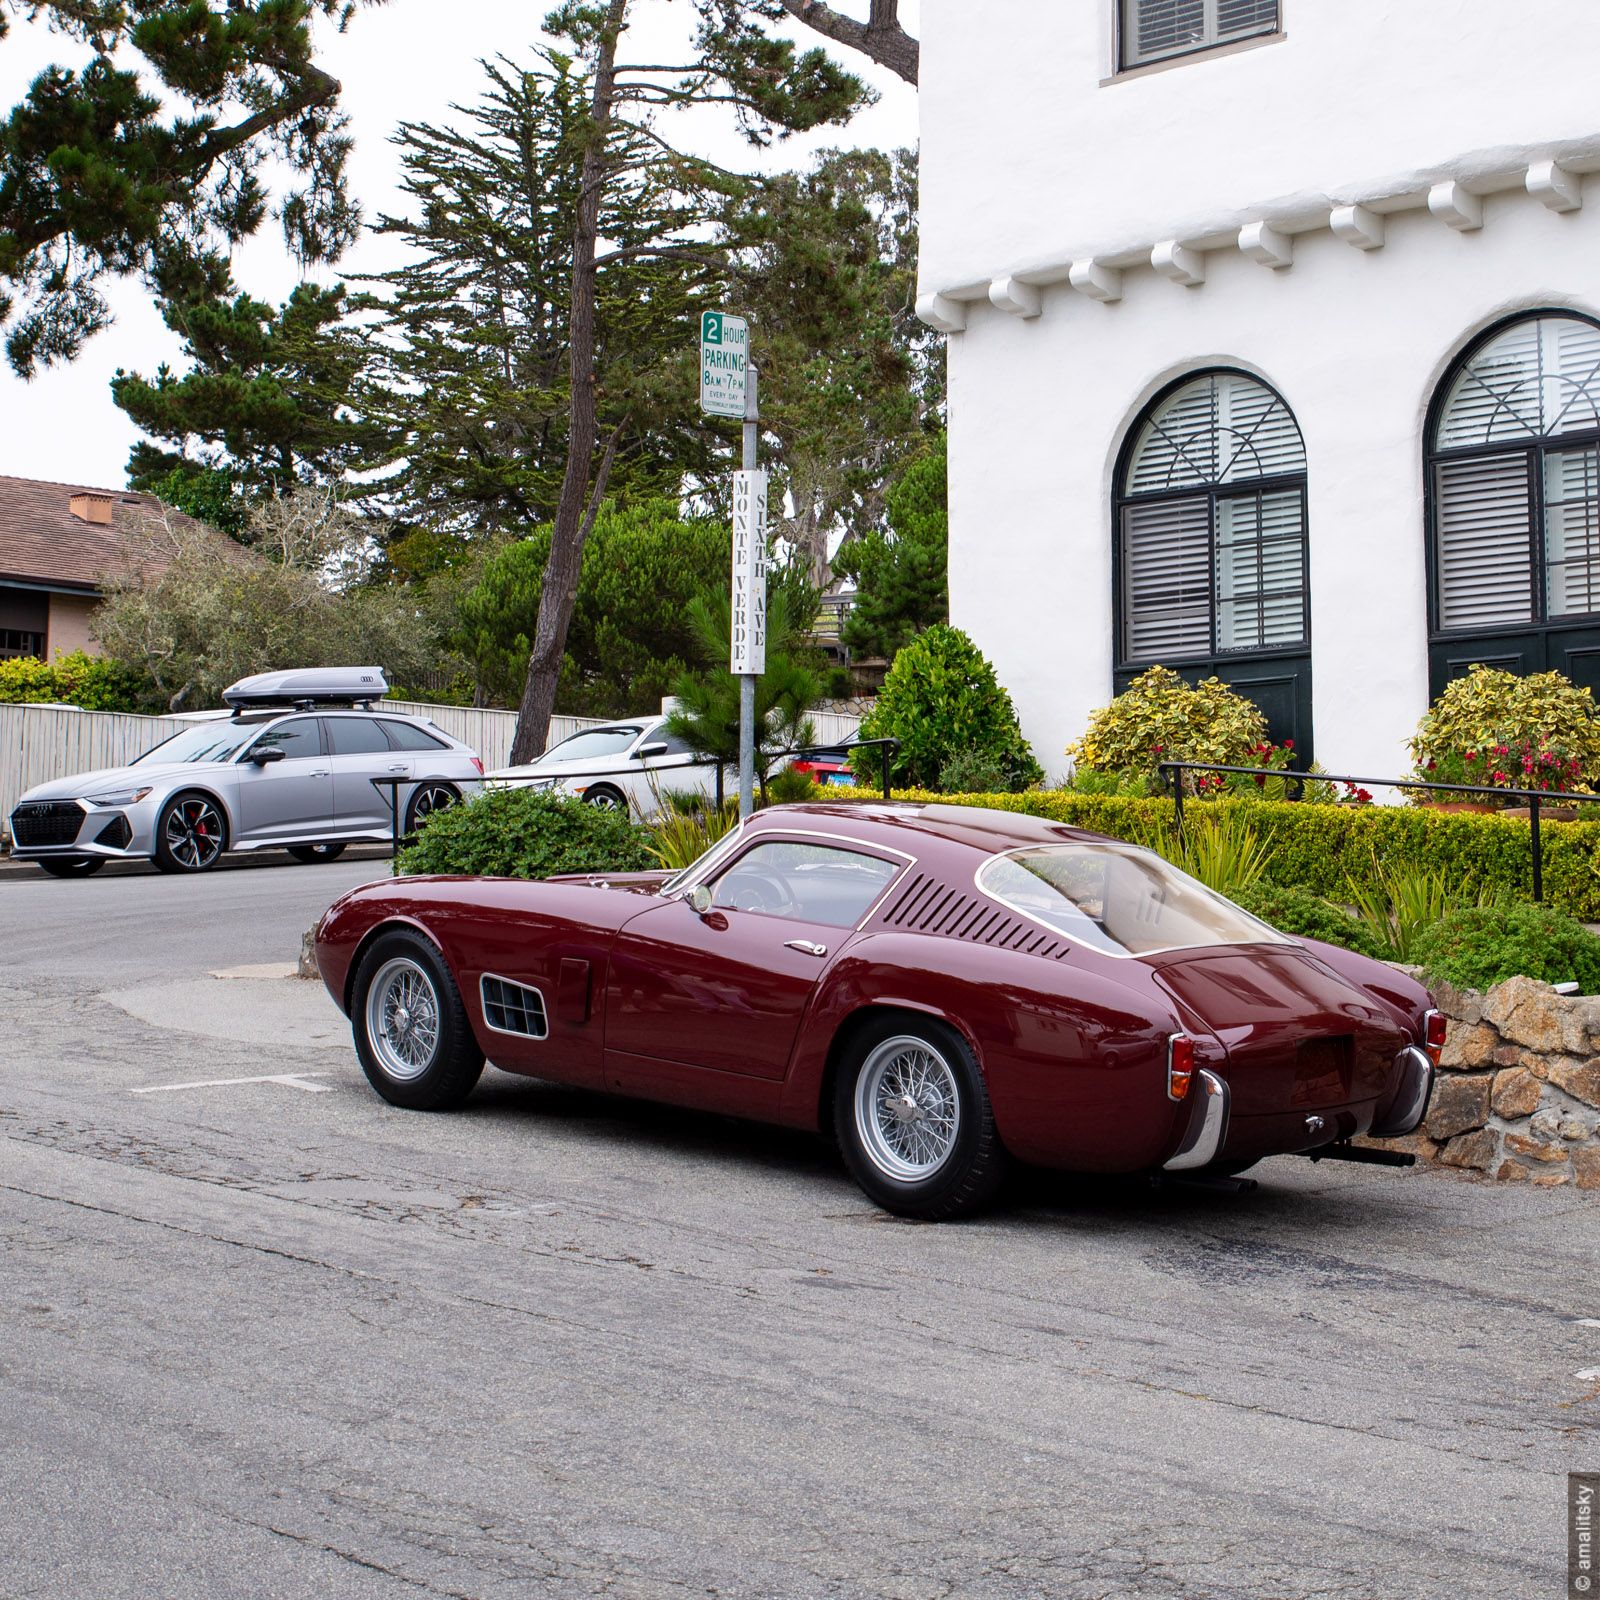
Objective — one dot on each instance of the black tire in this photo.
(72, 866)
(606, 797)
(307, 853)
(968, 1173)
(427, 798)
(444, 1074)
(191, 833)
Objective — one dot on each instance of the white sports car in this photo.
(633, 763)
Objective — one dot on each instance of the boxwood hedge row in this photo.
(1320, 847)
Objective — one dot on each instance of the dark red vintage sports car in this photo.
(943, 988)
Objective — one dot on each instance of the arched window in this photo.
(1211, 535)
(1514, 468)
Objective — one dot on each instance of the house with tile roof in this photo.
(58, 541)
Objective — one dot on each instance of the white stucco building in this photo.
(1274, 348)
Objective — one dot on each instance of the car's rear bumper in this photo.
(1207, 1128)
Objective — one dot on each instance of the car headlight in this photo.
(123, 797)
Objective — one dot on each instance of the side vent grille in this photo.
(928, 906)
(513, 1008)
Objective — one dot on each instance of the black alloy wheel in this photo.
(191, 833)
(307, 853)
(72, 866)
(427, 799)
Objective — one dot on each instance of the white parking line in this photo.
(292, 1080)
(1589, 1375)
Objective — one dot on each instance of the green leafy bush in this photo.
(95, 683)
(942, 699)
(1321, 847)
(1496, 728)
(527, 833)
(1159, 717)
(973, 771)
(1306, 916)
(1480, 946)
(680, 838)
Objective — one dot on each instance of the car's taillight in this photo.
(1180, 1065)
(1433, 1029)
(478, 763)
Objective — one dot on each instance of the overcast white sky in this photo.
(408, 60)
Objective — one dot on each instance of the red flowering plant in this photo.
(1507, 732)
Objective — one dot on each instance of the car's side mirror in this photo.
(264, 754)
(701, 899)
(646, 751)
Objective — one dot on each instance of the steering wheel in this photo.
(756, 889)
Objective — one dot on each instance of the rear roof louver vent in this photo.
(513, 1008)
(928, 906)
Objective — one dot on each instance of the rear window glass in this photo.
(408, 736)
(1117, 898)
(357, 736)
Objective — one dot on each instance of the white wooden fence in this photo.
(38, 743)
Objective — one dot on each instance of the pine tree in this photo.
(271, 398)
(474, 329)
(772, 88)
(902, 576)
(150, 157)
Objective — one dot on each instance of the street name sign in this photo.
(724, 359)
(749, 653)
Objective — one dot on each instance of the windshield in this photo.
(206, 741)
(1119, 899)
(593, 744)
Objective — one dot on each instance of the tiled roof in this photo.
(42, 541)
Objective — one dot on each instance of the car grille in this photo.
(46, 822)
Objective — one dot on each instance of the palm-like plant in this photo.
(707, 718)
(1220, 846)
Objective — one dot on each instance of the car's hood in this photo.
(108, 780)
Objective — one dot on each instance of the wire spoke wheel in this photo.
(907, 1108)
(403, 1020)
(194, 832)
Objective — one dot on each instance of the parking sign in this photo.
(724, 356)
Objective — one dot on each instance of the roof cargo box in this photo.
(322, 686)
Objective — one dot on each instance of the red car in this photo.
(945, 989)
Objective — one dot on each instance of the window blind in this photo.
(1261, 576)
(1485, 562)
(1222, 428)
(1537, 378)
(1572, 532)
(1166, 554)
(1153, 29)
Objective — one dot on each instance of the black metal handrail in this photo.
(1534, 797)
(888, 746)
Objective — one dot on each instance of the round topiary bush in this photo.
(1159, 717)
(527, 833)
(1494, 728)
(942, 700)
(1304, 915)
(1480, 946)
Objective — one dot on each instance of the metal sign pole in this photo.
(747, 680)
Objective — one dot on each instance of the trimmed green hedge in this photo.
(1319, 847)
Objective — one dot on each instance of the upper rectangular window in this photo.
(1157, 30)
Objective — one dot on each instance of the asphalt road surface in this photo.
(274, 1338)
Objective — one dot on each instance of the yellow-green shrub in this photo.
(1159, 717)
(1489, 708)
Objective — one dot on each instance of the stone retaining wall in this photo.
(1518, 1095)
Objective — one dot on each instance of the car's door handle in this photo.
(805, 947)
(324, 772)
(400, 769)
